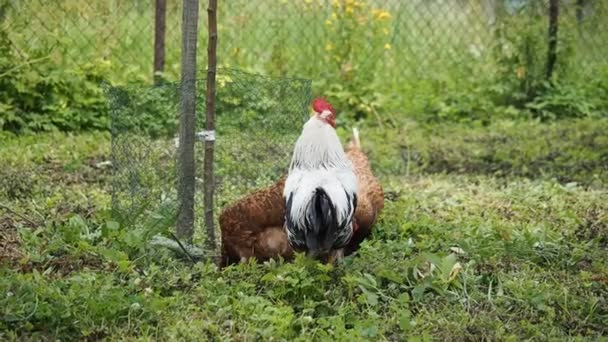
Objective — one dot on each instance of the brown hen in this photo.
(253, 227)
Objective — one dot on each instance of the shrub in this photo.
(41, 96)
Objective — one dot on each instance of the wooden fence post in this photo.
(552, 48)
(159, 39)
(187, 122)
(208, 178)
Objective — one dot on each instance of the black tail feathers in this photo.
(321, 221)
(324, 209)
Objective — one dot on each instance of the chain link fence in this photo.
(370, 40)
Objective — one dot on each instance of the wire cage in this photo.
(258, 119)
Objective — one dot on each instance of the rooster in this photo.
(320, 190)
(253, 225)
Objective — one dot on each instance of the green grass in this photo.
(486, 234)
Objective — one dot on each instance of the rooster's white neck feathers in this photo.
(318, 147)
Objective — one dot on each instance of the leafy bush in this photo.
(560, 100)
(520, 49)
(144, 109)
(39, 95)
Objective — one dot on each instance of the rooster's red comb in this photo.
(320, 104)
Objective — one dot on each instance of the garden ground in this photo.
(496, 232)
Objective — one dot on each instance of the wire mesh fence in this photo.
(368, 52)
(258, 118)
(341, 39)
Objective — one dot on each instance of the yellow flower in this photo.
(361, 20)
(521, 72)
(381, 14)
(328, 22)
(328, 47)
(385, 31)
(334, 16)
(387, 46)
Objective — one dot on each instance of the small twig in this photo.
(409, 161)
(33, 61)
(377, 116)
(182, 247)
(33, 311)
(38, 214)
(391, 120)
(9, 209)
(174, 245)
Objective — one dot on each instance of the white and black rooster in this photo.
(321, 189)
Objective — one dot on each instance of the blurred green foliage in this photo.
(376, 63)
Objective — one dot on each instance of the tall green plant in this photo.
(519, 48)
(358, 35)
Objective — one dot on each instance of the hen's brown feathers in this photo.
(370, 196)
(253, 225)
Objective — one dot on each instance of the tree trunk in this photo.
(209, 182)
(159, 39)
(187, 122)
(552, 49)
